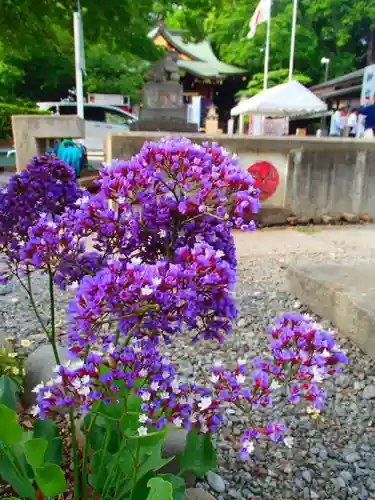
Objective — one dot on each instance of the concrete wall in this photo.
(314, 176)
(31, 134)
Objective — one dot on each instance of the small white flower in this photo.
(205, 403)
(249, 446)
(314, 412)
(58, 380)
(15, 370)
(74, 285)
(121, 200)
(143, 418)
(110, 348)
(214, 378)
(165, 374)
(82, 200)
(154, 386)
(35, 410)
(178, 422)
(218, 363)
(142, 431)
(204, 428)
(52, 224)
(146, 290)
(84, 391)
(326, 354)
(9, 338)
(275, 385)
(56, 369)
(47, 395)
(12, 354)
(156, 281)
(318, 374)
(288, 441)
(85, 379)
(199, 238)
(241, 362)
(176, 386)
(143, 372)
(162, 233)
(25, 343)
(164, 395)
(137, 261)
(146, 396)
(38, 387)
(240, 378)
(220, 254)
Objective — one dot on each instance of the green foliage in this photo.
(9, 390)
(27, 458)
(332, 28)
(6, 112)
(12, 355)
(159, 489)
(199, 455)
(277, 77)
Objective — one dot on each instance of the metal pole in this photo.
(293, 43)
(77, 59)
(326, 77)
(267, 54)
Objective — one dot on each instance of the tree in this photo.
(338, 29)
(255, 85)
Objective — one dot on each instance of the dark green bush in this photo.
(6, 112)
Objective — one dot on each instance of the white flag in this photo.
(261, 15)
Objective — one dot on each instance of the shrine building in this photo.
(205, 79)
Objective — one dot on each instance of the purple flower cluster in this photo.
(46, 186)
(137, 370)
(151, 256)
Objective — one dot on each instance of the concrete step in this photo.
(342, 294)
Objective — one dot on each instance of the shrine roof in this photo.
(198, 58)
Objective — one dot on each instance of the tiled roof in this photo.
(204, 63)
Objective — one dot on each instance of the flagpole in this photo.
(78, 51)
(267, 53)
(293, 43)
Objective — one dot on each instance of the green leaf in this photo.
(99, 469)
(10, 430)
(150, 440)
(199, 456)
(50, 480)
(35, 450)
(112, 410)
(153, 461)
(133, 404)
(159, 489)
(45, 429)
(8, 392)
(48, 430)
(178, 485)
(20, 484)
(130, 423)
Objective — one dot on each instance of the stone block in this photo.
(39, 367)
(31, 134)
(342, 294)
(197, 494)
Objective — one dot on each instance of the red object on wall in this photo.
(266, 178)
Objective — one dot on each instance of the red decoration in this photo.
(266, 178)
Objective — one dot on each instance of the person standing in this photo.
(353, 123)
(337, 123)
(368, 111)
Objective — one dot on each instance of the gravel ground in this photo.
(330, 460)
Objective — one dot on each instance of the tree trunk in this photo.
(371, 48)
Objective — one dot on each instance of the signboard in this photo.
(109, 99)
(368, 85)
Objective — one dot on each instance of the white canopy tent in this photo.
(287, 99)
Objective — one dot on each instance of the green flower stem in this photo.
(52, 312)
(29, 292)
(135, 469)
(74, 453)
(104, 452)
(85, 457)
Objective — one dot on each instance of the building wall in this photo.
(306, 176)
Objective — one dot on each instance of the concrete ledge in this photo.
(344, 295)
